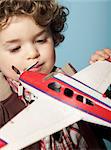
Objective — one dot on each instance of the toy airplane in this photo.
(60, 101)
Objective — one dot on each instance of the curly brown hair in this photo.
(44, 12)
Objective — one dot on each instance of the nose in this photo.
(33, 53)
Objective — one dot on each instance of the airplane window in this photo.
(79, 98)
(54, 86)
(68, 92)
(89, 102)
(108, 92)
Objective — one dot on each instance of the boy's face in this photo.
(22, 44)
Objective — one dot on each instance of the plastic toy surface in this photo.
(59, 101)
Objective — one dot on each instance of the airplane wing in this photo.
(46, 115)
(96, 76)
(38, 120)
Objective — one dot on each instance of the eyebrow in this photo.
(41, 33)
(17, 40)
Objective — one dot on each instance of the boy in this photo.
(29, 31)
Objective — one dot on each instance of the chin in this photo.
(45, 71)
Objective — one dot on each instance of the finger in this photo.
(102, 53)
(96, 57)
(107, 51)
(91, 62)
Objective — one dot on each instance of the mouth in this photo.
(34, 67)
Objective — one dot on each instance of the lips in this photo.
(35, 67)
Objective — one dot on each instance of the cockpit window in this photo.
(84, 100)
(89, 102)
(79, 98)
(68, 92)
(54, 86)
(108, 92)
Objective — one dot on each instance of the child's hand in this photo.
(104, 54)
(5, 90)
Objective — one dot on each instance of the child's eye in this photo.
(41, 41)
(15, 49)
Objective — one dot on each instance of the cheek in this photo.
(49, 50)
(5, 61)
(51, 60)
(51, 55)
(6, 68)
(4, 65)
(10, 74)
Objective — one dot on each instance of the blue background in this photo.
(89, 29)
